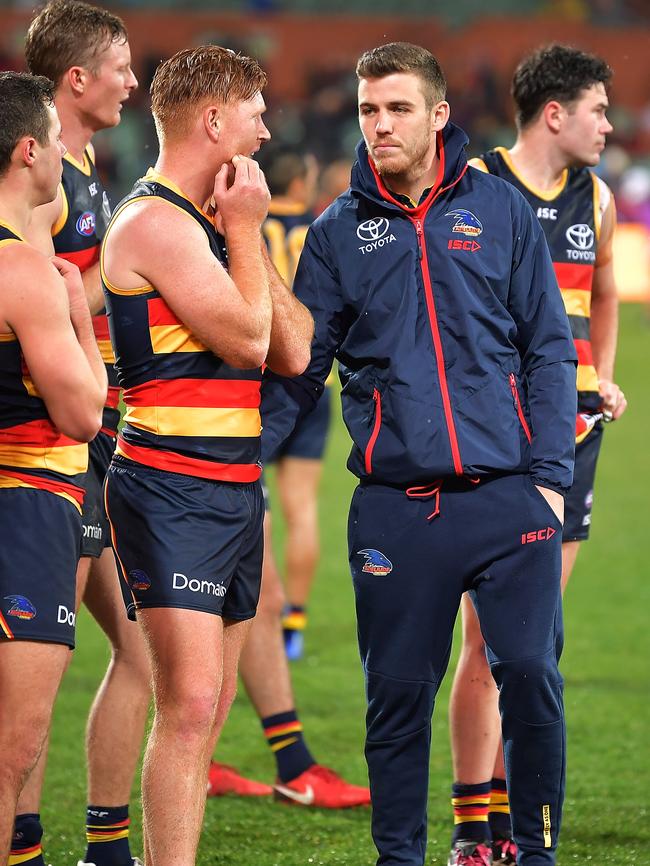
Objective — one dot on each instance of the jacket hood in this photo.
(451, 143)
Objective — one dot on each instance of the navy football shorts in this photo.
(96, 533)
(309, 437)
(186, 542)
(579, 500)
(39, 550)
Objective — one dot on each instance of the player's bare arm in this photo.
(92, 283)
(242, 199)
(57, 341)
(154, 243)
(39, 235)
(292, 326)
(80, 317)
(604, 317)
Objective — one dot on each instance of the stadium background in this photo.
(309, 49)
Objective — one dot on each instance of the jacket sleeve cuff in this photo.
(552, 485)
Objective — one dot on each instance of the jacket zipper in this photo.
(376, 396)
(437, 345)
(520, 411)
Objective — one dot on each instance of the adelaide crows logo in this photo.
(139, 580)
(376, 562)
(465, 222)
(20, 607)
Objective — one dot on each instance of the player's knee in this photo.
(397, 708)
(531, 689)
(134, 667)
(227, 695)
(27, 740)
(191, 714)
(271, 601)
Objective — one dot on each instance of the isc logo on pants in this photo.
(181, 581)
(65, 616)
(540, 535)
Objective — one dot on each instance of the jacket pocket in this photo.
(370, 447)
(518, 407)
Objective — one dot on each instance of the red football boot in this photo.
(223, 779)
(320, 786)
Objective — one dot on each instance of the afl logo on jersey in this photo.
(86, 223)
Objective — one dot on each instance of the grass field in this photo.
(606, 666)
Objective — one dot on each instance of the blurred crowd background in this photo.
(309, 48)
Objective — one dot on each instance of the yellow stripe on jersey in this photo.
(85, 166)
(67, 460)
(192, 421)
(545, 195)
(166, 339)
(13, 231)
(296, 241)
(276, 236)
(8, 338)
(63, 216)
(587, 378)
(106, 351)
(477, 162)
(7, 483)
(30, 387)
(577, 302)
(598, 217)
(7, 241)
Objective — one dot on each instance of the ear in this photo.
(553, 114)
(27, 150)
(212, 123)
(76, 78)
(440, 115)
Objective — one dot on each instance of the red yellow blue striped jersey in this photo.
(33, 453)
(77, 237)
(570, 217)
(285, 230)
(187, 410)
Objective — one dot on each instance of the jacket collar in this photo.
(451, 143)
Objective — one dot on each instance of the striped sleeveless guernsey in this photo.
(77, 237)
(570, 217)
(187, 411)
(33, 453)
(285, 230)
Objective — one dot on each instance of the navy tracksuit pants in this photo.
(501, 540)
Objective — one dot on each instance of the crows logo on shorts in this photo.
(376, 562)
(139, 580)
(20, 607)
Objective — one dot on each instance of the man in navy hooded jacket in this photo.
(432, 285)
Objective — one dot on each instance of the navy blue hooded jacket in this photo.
(455, 352)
